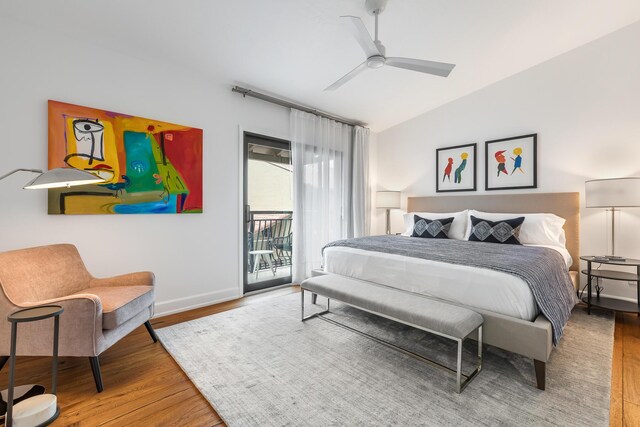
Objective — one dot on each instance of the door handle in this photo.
(247, 213)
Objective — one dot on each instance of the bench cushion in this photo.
(438, 316)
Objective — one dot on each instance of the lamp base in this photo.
(388, 218)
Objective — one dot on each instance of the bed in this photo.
(513, 320)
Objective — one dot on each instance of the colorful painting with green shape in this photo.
(148, 166)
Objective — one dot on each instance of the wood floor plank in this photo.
(163, 413)
(632, 336)
(631, 415)
(616, 405)
(631, 380)
(145, 386)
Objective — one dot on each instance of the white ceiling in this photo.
(295, 48)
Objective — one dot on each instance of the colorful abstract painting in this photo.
(456, 168)
(148, 166)
(511, 163)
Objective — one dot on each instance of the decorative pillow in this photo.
(505, 231)
(457, 230)
(431, 228)
(537, 229)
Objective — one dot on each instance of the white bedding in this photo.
(475, 287)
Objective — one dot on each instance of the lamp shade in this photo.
(613, 193)
(62, 177)
(388, 199)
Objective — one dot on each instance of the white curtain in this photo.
(360, 187)
(325, 187)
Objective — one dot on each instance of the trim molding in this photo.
(177, 305)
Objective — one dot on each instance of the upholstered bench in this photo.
(434, 316)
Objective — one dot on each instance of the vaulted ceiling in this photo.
(296, 48)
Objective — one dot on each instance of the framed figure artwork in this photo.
(456, 168)
(511, 163)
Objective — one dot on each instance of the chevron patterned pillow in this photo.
(431, 228)
(505, 231)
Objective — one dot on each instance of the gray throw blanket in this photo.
(543, 269)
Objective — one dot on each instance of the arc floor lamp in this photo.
(55, 178)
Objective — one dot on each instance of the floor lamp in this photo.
(55, 178)
(42, 407)
(388, 200)
(612, 194)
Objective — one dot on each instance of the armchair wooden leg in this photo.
(151, 331)
(3, 361)
(97, 376)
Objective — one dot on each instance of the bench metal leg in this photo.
(314, 314)
(459, 384)
(459, 368)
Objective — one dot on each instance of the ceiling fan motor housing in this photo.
(375, 6)
(376, 61)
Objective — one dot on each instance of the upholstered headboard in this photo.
(565, 205)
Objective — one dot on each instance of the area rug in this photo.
(259, 365)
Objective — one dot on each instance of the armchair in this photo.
(97, 312)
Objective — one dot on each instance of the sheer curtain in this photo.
(325, 187)
(360, 187)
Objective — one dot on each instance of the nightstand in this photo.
(612, 303)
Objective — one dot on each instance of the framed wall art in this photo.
(456, 168)
(148, 166)
(511, 163)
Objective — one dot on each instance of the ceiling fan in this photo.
(376, 52)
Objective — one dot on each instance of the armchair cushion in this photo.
(121, 303)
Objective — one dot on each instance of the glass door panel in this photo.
(268, 212)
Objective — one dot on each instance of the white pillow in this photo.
(458, 226)
(537, 228)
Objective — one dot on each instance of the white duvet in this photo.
(472, 286)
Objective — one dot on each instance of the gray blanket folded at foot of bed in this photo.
(543, 269)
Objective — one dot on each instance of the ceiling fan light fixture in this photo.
(375, 61)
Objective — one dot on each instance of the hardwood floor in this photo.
(144, 386)
(625, 381)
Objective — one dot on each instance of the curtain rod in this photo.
(248, 92)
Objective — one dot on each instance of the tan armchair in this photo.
(97, 312)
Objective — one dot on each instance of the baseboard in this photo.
(164, 308)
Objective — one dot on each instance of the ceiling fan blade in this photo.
(359, 31)
(351, 74)
(430, 67)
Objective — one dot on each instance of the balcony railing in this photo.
(270, 230)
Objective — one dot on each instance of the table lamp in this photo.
(388, 200)
(611, 194)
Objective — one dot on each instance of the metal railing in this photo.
(270, 230)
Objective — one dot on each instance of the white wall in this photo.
(195, 257)
(585, 107)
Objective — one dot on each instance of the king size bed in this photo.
(524, 293)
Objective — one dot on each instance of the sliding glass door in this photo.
(268, 212)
